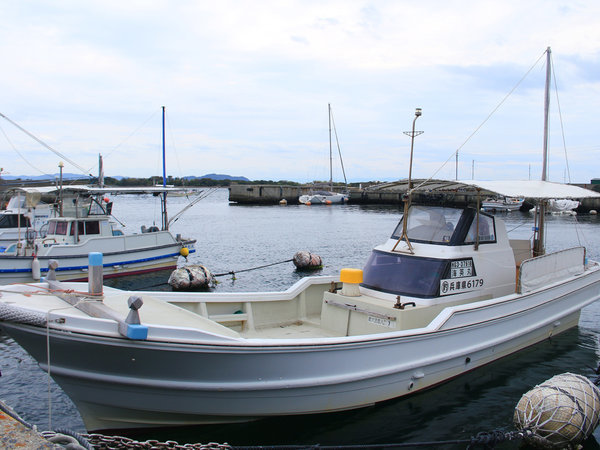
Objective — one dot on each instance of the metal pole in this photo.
(60, 189)
(165, 218)
(407, 196)
(538, 248)
(330, 151)
(456, 167)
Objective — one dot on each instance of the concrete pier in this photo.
(268, 194)
(13, 434)
(384, 194)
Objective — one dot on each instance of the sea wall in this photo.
(260, 194)
(389, 194)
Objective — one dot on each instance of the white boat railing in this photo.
(550, 268)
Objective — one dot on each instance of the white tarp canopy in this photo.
(535, 190)
(538, 190)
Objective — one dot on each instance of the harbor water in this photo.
(232, 238)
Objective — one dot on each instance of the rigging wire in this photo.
(172, 138)
(39, 141)
(338, 145)
(132, 134)
(22, 156)
(482, 123)
(562, 128)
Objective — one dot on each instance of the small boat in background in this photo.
(84, 225)
(562, 206)
(502, 204)
(328, 196)
(323, 198)
(24, 215)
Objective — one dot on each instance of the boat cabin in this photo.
(68, 230)
(447, 252)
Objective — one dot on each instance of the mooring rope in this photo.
(233, 272)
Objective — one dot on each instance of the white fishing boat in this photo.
(81, 223)
(447, 293)
(453, 294)
(324, 196)
(24, 215)
(86, 226)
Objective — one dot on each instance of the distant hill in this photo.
(50, 177)
(217, 176)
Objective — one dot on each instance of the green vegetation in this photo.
(194, 182)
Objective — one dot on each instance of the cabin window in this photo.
(79, 229)
(58, 228)
(92, 227)
(13, 221)
(432, 224)
(487, 231)
(86, 227)
(403, 274)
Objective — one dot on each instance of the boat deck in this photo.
(296, 330)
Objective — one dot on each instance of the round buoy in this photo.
(283, 202)
(184, 252)
(308, 203)
(328, 202)
(593, 212)
(193, 276)
(304, 260)
(563, 411)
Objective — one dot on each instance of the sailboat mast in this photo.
(165, 224)
(539, 244)
(546, 114)
(330, 150)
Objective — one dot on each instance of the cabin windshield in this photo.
(446, 226)
(433, 224)
(403, 274)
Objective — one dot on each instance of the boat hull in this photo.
(121, 384)
(131, 255)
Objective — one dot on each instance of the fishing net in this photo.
(190, 277)
(561, 412)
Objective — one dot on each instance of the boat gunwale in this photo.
(435, 327)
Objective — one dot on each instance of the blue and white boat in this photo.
(88, 227)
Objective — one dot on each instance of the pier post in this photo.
(95, 273)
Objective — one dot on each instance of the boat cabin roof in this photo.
(531, 189)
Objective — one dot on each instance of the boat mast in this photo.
(165, 223)
(538, 244)
(330, 151)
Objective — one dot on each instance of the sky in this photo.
(246, 87)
